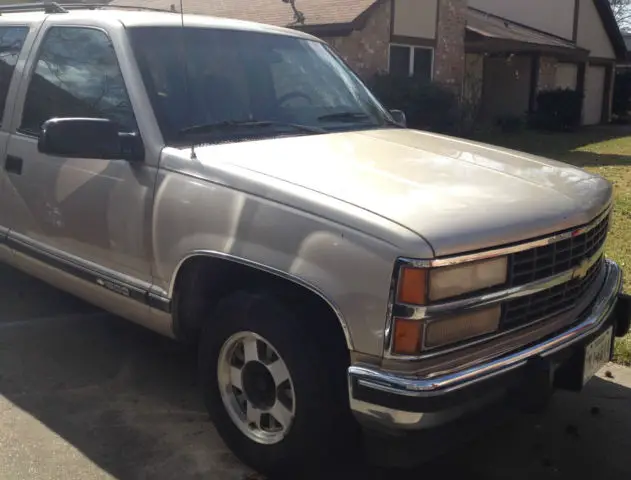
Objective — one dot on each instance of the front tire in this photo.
(274, 383)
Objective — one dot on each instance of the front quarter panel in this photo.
(351, 270)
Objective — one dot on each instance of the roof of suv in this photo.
(140, 17)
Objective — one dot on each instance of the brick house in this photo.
(497, 53)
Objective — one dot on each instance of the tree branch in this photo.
(622, 12)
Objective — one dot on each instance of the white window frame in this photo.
(412, 56)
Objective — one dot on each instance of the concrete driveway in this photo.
(86, 395)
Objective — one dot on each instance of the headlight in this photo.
(454, 281)
(413, 336)
(419, 286)
(425, 286)
(462, 327)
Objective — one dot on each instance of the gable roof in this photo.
(274, 12)
(612, 28)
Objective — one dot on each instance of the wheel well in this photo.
(202, 281)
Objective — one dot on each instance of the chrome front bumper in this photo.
(402, 402)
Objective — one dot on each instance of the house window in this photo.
(411, 61)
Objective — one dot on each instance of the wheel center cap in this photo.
(258, 385)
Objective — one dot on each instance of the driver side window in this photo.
(76, 75)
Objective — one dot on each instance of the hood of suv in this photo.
(458, 195)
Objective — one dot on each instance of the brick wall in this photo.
(449, 57)
(473, 78)
(366, 50)
(547, 73)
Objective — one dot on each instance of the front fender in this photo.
(349, 269)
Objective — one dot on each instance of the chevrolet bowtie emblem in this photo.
(580, 272)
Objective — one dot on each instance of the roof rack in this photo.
(47, 7)
(95, 6)
(54, 7)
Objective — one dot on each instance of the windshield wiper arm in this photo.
(351, 117)
(237, 124)
(343, 116)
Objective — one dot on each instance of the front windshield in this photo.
(212, 76)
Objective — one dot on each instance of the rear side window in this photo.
(11, 42)
(76, 75)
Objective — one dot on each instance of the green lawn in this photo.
(603, 150)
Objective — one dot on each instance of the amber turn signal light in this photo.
(412, 286)
(407, 336)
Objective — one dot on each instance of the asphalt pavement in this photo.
(87, 395)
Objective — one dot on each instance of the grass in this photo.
(607, 152)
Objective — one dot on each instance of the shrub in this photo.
(510, 123)
(427, 106)
(622, 94)
(558, 109)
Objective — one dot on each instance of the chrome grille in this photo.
(554, 301)
(546, 261)
(537, 263)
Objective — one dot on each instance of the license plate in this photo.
(597, 354)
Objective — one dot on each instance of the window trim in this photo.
(33, 65)
(13, 77)
(413, 49)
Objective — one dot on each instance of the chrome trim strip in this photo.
(486, 254)
(273, 271)
(591, 321)
(113, 281)
(159, 302)
(19, 240)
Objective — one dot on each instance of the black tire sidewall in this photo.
(322, 415)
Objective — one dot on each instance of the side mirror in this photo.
(399, 117)
(85, 138)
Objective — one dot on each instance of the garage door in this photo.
(594, 92)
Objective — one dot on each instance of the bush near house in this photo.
(622, 95)
(510, 123)
(557, 110)
(427, 106)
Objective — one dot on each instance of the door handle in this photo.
(13, 164)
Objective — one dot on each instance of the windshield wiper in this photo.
(352, 117)
(343, 117)
(237, 124)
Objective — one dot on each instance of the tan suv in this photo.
(235, 185)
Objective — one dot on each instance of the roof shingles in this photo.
(492, 26)
(274, 12)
